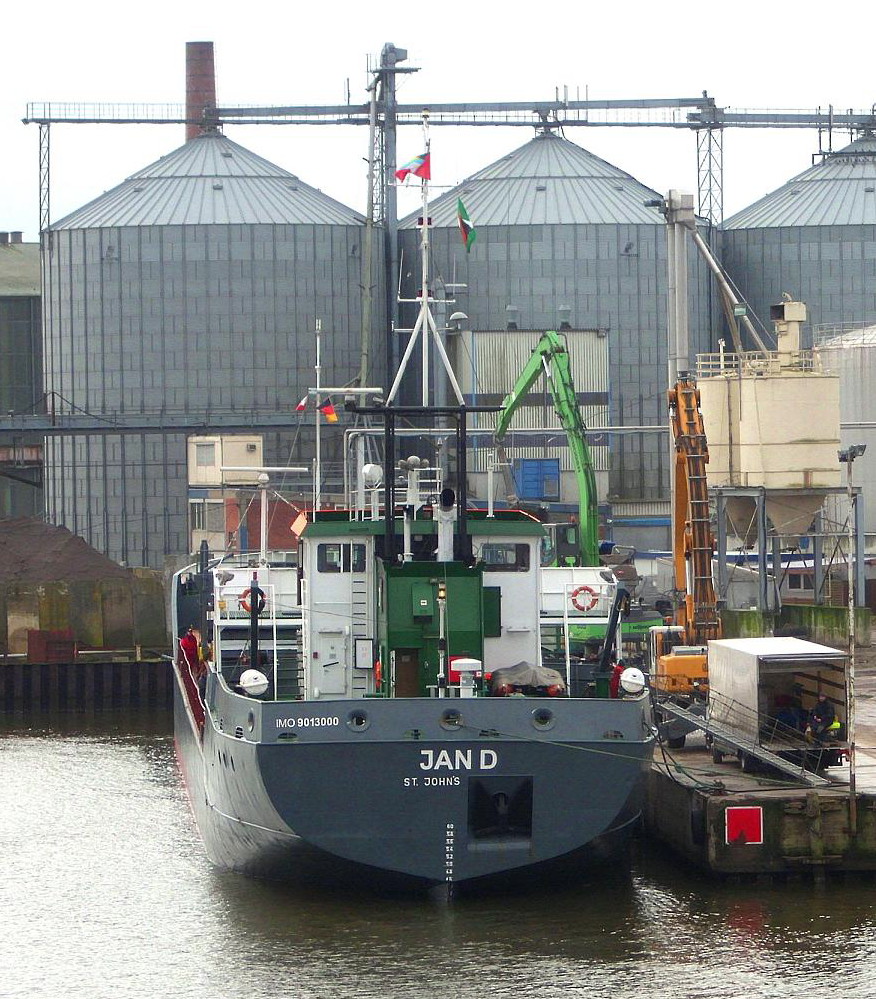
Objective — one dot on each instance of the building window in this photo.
(205, 455)
(207, 515)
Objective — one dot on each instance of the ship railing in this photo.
(430, 484)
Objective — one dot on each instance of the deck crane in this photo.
(678, 652)
(551, 356)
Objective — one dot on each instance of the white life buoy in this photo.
(584, 598)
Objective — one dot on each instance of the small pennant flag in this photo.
(301, 405)
(466, 229)
(328, 411)
(419, 166)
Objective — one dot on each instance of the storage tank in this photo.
(849, 353)
(771, 420)
(814, 239)
(194, 285)
(566, 241)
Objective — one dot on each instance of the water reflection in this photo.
(107, 893)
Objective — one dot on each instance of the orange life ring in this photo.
(378, 674)
(243, 600)
(582, 606)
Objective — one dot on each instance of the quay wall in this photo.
(85, 686)
(806, 831)
(98, 614)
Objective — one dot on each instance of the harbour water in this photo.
(106, 893)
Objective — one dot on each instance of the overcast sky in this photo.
(747, 55)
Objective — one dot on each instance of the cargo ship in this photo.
(380, 710)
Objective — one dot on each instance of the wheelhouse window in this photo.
(340, 557)
(505, 557)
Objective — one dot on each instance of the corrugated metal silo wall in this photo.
(830, 268)
(856, 367)
(180, 319)
(609, 277)
(20, 389)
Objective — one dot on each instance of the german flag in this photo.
(328, 411)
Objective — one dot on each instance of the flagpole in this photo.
(317, 483)
(425, 317)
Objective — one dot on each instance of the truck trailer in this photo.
(763, 692)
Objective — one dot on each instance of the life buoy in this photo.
(590, 598)
(378, 674)
(243, 600)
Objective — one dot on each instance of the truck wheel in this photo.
(677, 742)
(748, 763)
(717, 755)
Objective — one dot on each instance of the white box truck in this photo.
(764, 691)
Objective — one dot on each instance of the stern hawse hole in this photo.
(499, 808)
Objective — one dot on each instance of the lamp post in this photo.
(848, 456)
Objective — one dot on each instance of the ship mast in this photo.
(425, 324)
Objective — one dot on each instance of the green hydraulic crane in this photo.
(551, 356)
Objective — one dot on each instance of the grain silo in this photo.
(566, 241)
(850, 353)
(193, 286)
(814, 238)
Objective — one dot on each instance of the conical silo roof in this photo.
(841, 190)
(548, 181)
(211, 180)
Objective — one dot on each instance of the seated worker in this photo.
(821, 718)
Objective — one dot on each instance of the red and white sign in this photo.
(743, 825)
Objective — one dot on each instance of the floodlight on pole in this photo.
(847, 456)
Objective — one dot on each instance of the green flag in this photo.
(466, 229)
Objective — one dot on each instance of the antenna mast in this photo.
(425, 323)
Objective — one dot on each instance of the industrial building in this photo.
(20, 373)
(197, 285)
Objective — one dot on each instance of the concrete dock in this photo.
(731, 823)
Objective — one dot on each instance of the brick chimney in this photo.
(200, 87)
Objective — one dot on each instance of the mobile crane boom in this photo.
(551, 357)
(692, 543)
(680, 652)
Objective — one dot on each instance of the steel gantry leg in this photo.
(44, 176)
(710, 173)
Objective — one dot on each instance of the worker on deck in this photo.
(188, 645)
(821, 718)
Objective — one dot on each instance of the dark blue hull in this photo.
(414, 792)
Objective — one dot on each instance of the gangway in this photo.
(750, 748)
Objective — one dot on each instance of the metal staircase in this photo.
(290, 673)
(359, 625)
